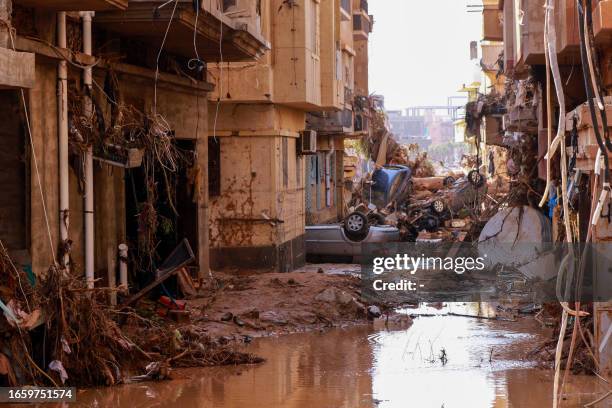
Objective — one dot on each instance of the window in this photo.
(214, 167)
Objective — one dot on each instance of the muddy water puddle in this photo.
(439, 361)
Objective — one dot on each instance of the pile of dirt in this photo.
(250, 304)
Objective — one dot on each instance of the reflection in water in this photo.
(364, 367)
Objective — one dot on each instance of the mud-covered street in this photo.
(306, 203)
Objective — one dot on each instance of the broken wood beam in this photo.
(136, 297)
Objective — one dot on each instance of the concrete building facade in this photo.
(268, 181)
(138, 68)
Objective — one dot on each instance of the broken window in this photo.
(214, 167)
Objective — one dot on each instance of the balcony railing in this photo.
(360, 23)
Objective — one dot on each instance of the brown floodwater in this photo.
(371, 367)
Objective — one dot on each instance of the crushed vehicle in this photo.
(387, 210)
(364, 224)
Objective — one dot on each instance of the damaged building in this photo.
(107, 139)
(546, 103)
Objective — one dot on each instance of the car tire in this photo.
(475, 178)
(448, 181)
(356, 226)
(438, 206)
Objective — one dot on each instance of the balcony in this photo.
(568, 43)
(76, 5)
(326, 123)
(361, 26)
(143, 19)
(532, 33)
(492, 27)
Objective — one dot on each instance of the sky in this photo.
(420, 50)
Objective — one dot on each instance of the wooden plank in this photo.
(150, 287)
(16, 69)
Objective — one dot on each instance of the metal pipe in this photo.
(123, 267)
(111, 262)
(328, 170)
(89, 179)
(62, 120)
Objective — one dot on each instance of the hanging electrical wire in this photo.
(161, 49)
(550, 48)
(594, 71)
(588, 81)
(545, 196)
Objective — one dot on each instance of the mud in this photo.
(373, 366)
(251, 304)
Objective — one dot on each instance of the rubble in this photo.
(458, 203)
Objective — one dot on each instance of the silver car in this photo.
(331, 241)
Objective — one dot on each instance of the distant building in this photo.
(424, 125)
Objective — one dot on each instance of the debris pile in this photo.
(404, 191)
(48, 340)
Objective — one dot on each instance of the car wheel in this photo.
(448, 181)
(438, 206)
(356, 226)
(475, 178)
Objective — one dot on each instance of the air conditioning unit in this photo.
(307, 144)
(119, 156)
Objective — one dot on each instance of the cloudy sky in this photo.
(419, 50)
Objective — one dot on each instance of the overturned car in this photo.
(386, 209)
